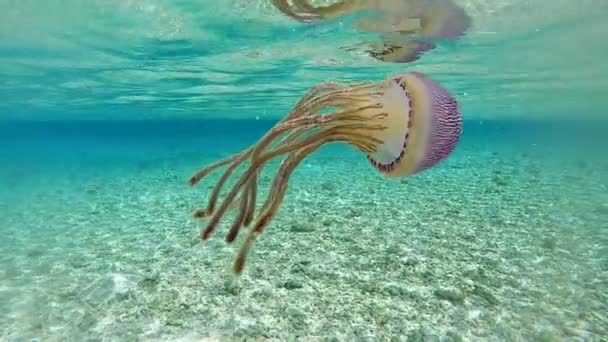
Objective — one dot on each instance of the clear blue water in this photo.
(108, 107)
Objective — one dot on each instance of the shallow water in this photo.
(505, 240)
(108, 107)
(128, 59)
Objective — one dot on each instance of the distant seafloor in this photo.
(506, 239)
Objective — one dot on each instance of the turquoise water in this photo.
(109, 107)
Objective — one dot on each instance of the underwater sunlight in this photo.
(409, 170)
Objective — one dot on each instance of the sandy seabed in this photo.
(498, 243)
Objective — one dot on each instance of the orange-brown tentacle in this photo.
(220, 184)
(256, 163)
(316, 91)
(312, 93)
(345, 133)
(342, 132)
(248, 217)
(361, 141)
(279, 186)
(248, 201)
(238, 221)
(252, 200)
(337, 97)
(310, 122)
(292, 124)
(199, 175)
(278, 191)
(287, 167)
(236, 161)
(299, 118)
(354, 94)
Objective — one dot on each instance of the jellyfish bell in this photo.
(431, 19)
(444, 19)
(427, 19)
(404, 125)
(424, 128)
(414, 25)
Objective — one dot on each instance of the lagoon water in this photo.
(108, 107)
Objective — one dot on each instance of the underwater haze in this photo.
(108, 107)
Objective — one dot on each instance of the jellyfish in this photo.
(410, 27)
(404, 125)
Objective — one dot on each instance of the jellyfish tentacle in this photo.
(236, 161)
(339, 133)
(342, 132)
(258, 160)
(312, 92)
(252, 199)
(310, 122)
(350, 128)
(236, 158)
(359, 93)
(199, 175)
(287, 167)
(239, 158)
(279, 185)
(277, 193)
(246, 209)
(349, 97)
(316, 90)
(298, 112)
(238, 221)
(220, 184)
(322, 92)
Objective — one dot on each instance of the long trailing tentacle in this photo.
(243, 211)
(248, 217)
(310, 122)
(236, 162)
(238, 158)
(312, 93)
(358, 139)
(279, 185)
(288, 165)
(278, 191)
(199, 175)
(219, 185)
(311, 100)
(253, 189)
(284, 127)
(354, 94)
(300, 133)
